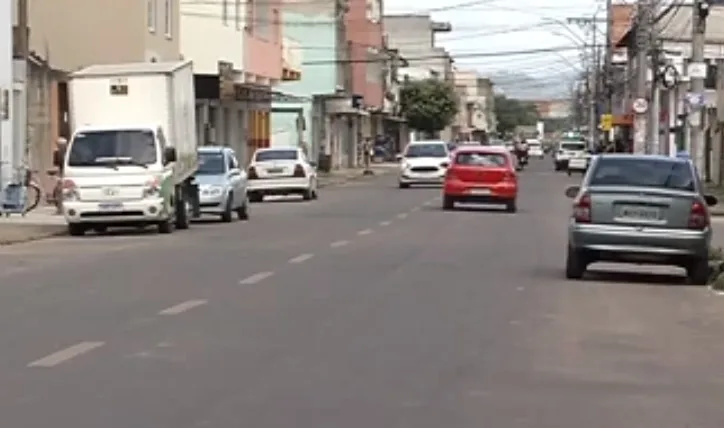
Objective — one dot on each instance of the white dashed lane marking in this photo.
(338, 244)
(415, 209)
(183, 307)
(66, 354)
(402, 216)
(257, 277)
(301, 258)
(385, 223)
(364, 232)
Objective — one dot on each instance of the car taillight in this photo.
(582, 209)
(251, 174)
(699, 216)
(299, 171)
(509, 177)
(450, 174)
(445, 164)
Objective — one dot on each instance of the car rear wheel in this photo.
(575, 264)
(698, 272)
(448, 203)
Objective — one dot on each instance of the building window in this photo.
(225, 12)
(151, 15)
(237, 14)
(168, 14)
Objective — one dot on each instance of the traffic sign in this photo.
(606, 122)
(640, 105)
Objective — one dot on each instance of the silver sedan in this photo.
(640, 209)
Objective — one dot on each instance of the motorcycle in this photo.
(522, 161)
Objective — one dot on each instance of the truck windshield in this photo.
(113, 148)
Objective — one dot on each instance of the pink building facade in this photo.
(365, 38)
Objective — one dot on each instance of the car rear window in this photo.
(484, 159)
(274, 155)
(638, 172)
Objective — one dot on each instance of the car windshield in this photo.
(113, 148)
(426, 151)
(211, 164)
(482, 159)
(638, 172)
(573, 146)
(276, 155)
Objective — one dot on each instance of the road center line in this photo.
(301, 258)
(402, 216)
(385, 223)
(183, 307)
(257, 277)
(338, 244)
(66, 354)
(364, 232)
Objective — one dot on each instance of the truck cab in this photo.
(118, 176)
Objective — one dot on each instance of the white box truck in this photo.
(133, 151)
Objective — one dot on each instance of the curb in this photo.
(33, 237)
(344, 179)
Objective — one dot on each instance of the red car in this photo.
(480, 174)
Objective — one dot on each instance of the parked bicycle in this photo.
(25, 192)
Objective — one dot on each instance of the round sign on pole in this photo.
(640, 105)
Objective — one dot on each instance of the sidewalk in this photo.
(342, 176)
(718, 209)
(38, 224)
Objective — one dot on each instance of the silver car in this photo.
(222, 184)
(640, 209)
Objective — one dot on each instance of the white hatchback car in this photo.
(281, 171)
(423, 162)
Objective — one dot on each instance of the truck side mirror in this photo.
(169, 155)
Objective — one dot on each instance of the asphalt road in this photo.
(367, 308)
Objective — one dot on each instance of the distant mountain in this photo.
(526, 87)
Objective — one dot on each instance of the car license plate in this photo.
(479, 191)
(110, 206)
(275, 170)
(638, 213)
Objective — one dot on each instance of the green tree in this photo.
(428, 105)
(510, 113)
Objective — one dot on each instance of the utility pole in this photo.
(23, 42)
(608, 66)
(641, 105)
(593, 117)
(596, 88)
(697, 73)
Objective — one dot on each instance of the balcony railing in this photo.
(291, 59)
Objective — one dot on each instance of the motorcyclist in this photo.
(521, 150)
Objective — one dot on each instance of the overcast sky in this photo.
(502, 25)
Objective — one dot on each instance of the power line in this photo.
(461, 55)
